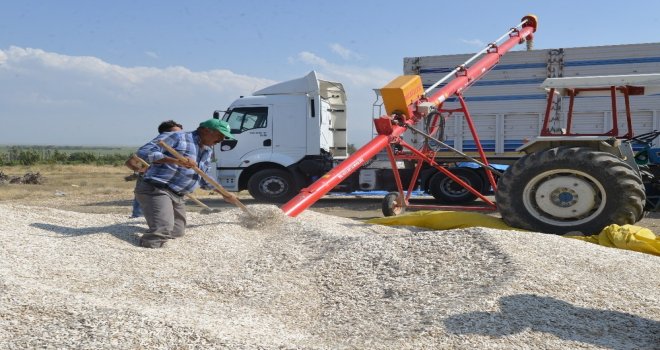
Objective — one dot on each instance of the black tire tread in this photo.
(611, 171)
(388, 206)
(470, 176)
(253, 186)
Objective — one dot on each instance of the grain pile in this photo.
(73, 280)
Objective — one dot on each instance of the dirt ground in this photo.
(91, 189)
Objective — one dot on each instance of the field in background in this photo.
(31, 155)
(69, 186)
(98, 150)
(81, 188)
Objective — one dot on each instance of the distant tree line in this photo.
(31, 155)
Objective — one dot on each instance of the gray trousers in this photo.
(165, 213)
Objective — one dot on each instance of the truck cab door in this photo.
(250, 126)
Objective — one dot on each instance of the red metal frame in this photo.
(573, 93)
(482, 154)
(390, 128)
(428, 156)
(422, 157)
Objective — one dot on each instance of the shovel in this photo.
(206, 209)
(209, 179)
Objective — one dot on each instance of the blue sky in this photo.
(108, 72)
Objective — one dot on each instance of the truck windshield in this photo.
(246, 118)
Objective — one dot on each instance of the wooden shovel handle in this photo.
(206, 177)
(200, 203)
(189, 195)
(144, 162)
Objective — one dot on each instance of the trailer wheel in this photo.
(393, 204)
(566, 189)
(272, 185)
(446, 190)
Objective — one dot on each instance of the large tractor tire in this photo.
(445, 190)
(567, 189)
(272, 186)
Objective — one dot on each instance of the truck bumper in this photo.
(228, 178)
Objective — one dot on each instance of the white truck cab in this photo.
(287, 135)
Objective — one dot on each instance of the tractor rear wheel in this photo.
(566, 189)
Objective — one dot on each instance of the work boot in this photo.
(152, 242)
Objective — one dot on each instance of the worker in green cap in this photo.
(168, 179)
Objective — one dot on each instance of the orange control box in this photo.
(401, 92)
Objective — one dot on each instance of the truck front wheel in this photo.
(566, 189)
(272, 185)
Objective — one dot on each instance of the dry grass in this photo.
(85, 183)
(80, 188)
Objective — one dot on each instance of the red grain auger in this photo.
(407, 103)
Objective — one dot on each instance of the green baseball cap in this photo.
(219, 125)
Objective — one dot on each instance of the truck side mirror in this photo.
(228, 145)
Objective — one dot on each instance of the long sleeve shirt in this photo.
(178, 178)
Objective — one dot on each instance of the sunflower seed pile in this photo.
(77, 280)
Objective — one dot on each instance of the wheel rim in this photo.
(395, 205)
(273, 186)
(397, 209)
(564, 197)
(450, 188)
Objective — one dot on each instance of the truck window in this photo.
(246, 118)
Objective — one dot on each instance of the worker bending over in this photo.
(168, 179)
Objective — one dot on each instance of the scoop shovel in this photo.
(228, 196)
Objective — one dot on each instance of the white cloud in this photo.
(310, 58)
(371, 77)
(151, 54)
(474, 42)
(80, 100)
(344, 52)
(87, 101)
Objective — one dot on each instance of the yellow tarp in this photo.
(628, 237)
(443, 220)
(624, 237)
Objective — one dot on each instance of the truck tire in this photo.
(567, 189)
(446, 190)
(272, 186)
(393, 204)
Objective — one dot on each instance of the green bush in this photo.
(31, 155)
(58, 157)
(82, 158)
